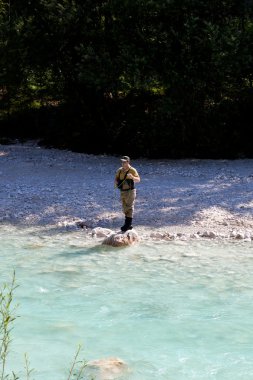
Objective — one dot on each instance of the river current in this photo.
(174, 310)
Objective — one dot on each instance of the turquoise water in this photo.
(171, 311)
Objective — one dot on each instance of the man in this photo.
(126, 177)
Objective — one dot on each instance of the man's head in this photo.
(125, 159)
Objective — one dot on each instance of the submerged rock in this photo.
(120, 239)
(106, 369)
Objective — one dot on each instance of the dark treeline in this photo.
(154, 78)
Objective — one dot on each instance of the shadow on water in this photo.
(89, 251)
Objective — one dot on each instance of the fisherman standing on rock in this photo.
(125, 178)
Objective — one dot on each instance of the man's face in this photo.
(125, 164)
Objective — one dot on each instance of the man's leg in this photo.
(128, 199)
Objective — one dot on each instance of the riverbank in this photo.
(177, 199)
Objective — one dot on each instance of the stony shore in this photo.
(176, 199)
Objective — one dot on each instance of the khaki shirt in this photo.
(120, 175)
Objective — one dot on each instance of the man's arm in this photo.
(116, 178)
(135, 177)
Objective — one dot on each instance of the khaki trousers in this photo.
(128, 199)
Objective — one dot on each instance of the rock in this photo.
(83, 224)
(209, 234)
(184, 237)
(194, 236)
(157, 235)
(120, 239)
(171, 236)
(247, 236)
(106, 369)
(101, 232)
(233, 234)
(239, 236)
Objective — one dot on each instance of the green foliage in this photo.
(154, 78)
(77, 367)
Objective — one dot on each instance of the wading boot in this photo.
(123, 228)
(128, 224)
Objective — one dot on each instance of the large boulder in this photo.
(106, 369)
(120, 239)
